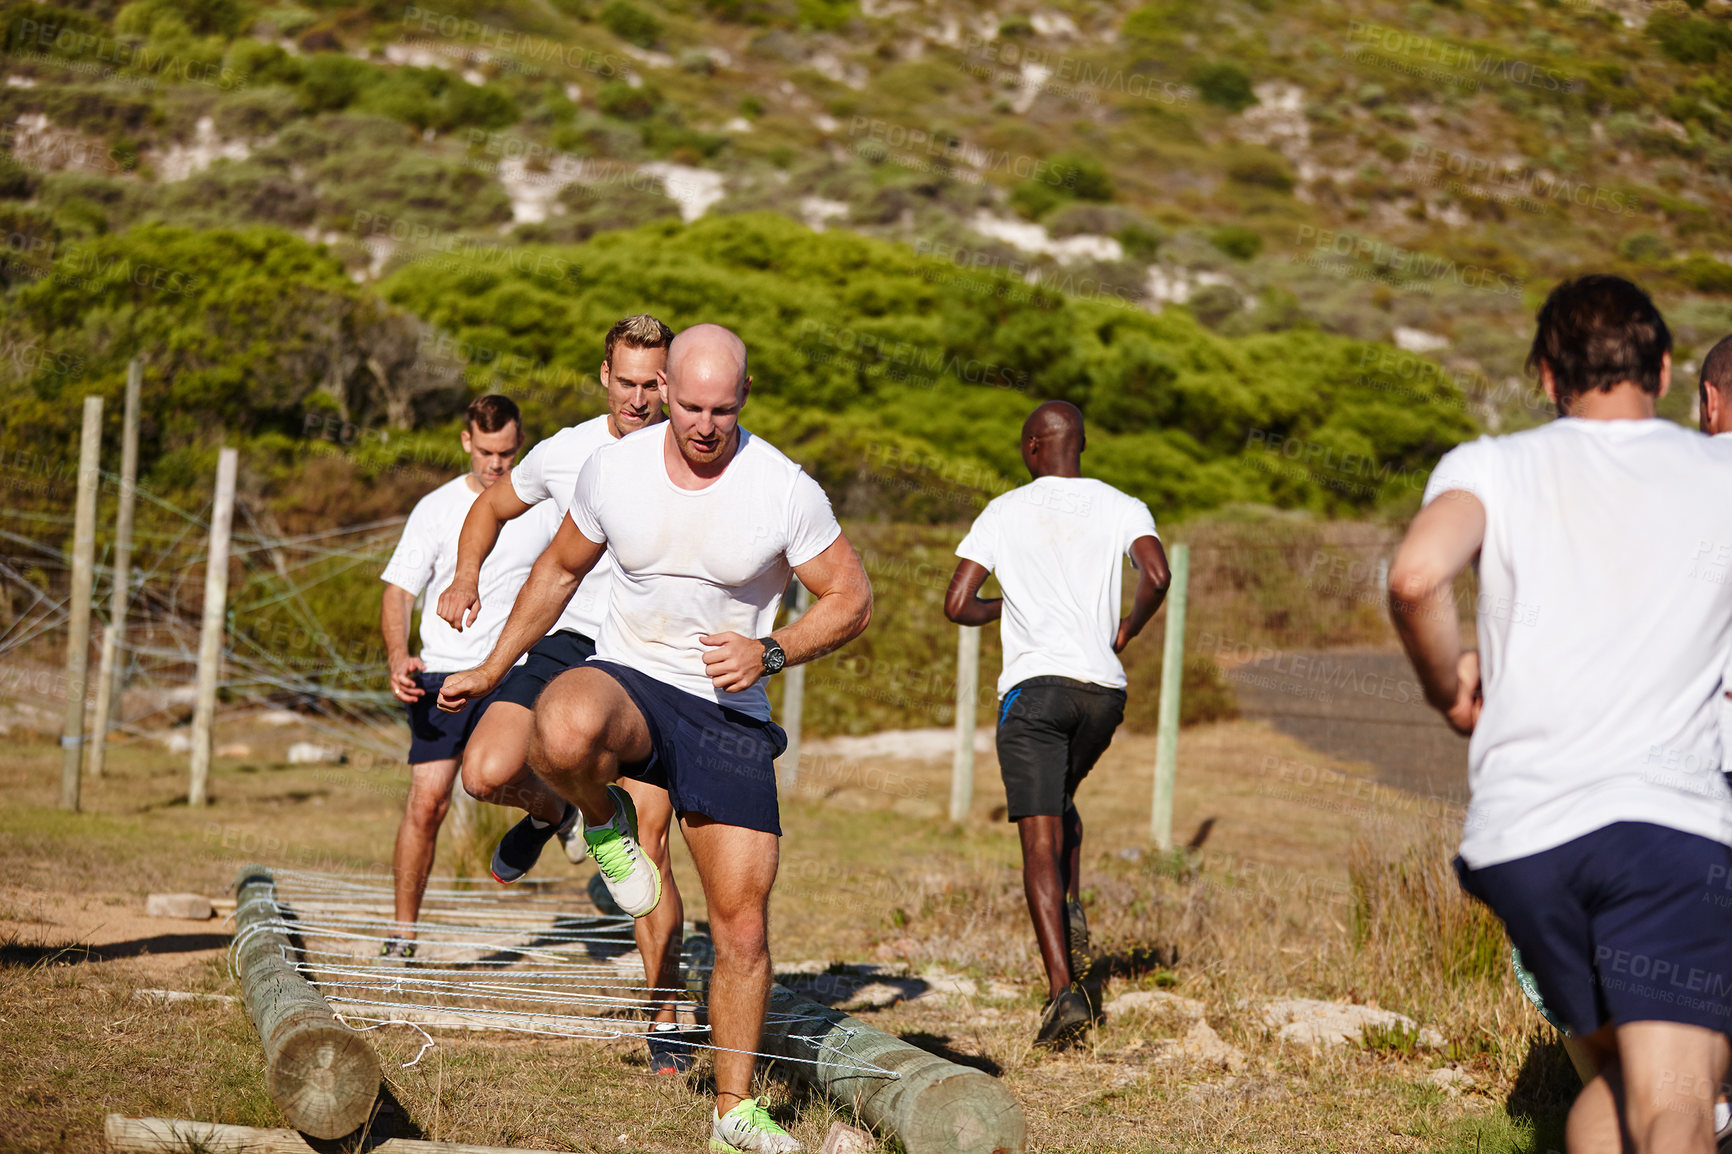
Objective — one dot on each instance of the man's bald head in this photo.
(1053, 440)
(707, 353)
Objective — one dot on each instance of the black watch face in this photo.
(774, 658)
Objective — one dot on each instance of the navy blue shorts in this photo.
(435, 735)
(712, 760)
(547, 659)
(1629, 923)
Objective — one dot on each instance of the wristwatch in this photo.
(774, 658)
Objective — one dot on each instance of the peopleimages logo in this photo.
(1421, 265)
(1363, 37)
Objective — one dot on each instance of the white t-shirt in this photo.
(548, 472)
(695, 562)
(426, 558)
(1055, 545)
(1605, 625)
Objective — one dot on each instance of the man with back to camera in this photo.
(1055, 546)
(1597, 829)
(704, 522)
(634, 352)
(1715, 395)
(425, 557)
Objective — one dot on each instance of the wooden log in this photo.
(78, 612)
(179, 1136)
(322, 1075)
(934, 1106)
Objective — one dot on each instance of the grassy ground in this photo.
(1310, 881)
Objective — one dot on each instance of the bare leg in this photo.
(417, 837)
(1071, 856)
(1044, 885)
(1672, 1075)
(586, 724)
(659, 932)
(1594, 1125)
(737, 867)
(496, 763)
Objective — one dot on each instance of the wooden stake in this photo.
(78, 624)
(178, 1136)
(110, 677)
(1167, 720)
(793, 700)
(932, 1105)
(322, 1075)
(967, 691)
(210, 641)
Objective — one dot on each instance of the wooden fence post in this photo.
(210, 640)
(967, 691)
(110, 677)
(78, 609)
(1167, 720)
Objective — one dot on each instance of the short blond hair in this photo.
(638, 332)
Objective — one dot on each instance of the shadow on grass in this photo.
(17, 955)
(940, 1046)
(1544, 1089)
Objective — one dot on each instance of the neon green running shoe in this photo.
(631, 877)
(748, 1127)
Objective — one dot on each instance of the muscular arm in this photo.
(962, 601)
(1152, 581)
(460, 604)
(555, 576)
(394, 612)
(841, 608)
(1442, 541)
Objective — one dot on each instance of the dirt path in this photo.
(1358, 705)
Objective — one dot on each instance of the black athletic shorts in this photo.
(1051, 731)
(1629, 923)
(712, 760)
(435, 735)
(548, 658)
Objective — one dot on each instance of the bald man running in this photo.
(704, 522)
(1055, 545)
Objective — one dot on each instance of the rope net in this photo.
(528, 962)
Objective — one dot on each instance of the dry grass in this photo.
(1308, 883)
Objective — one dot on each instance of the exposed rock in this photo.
(190, 907)
(1452, 1080)
(1203, 1047)
(309, 753)
(234, 749)
(1308, 1022)
(846, 1139)
(1156, 1002)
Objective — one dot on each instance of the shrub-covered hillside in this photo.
(902, 391)
(1414, 173)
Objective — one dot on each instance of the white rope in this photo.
(528, 965)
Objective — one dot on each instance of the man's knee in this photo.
(740, 936)
(426, 808)
(568, 736)
(490, 774)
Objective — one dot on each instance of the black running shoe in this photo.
(670, 1050)
(1063, 1019)
(520, 848)
(400, 948)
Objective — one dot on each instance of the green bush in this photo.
(1033, 199)
(1689, 39)
(1704, 274)
(1225, 84)
(1082, 176)
(1260, 168)
(617, 98)
(1237, 241)
(1646, 247)
(631, 23)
